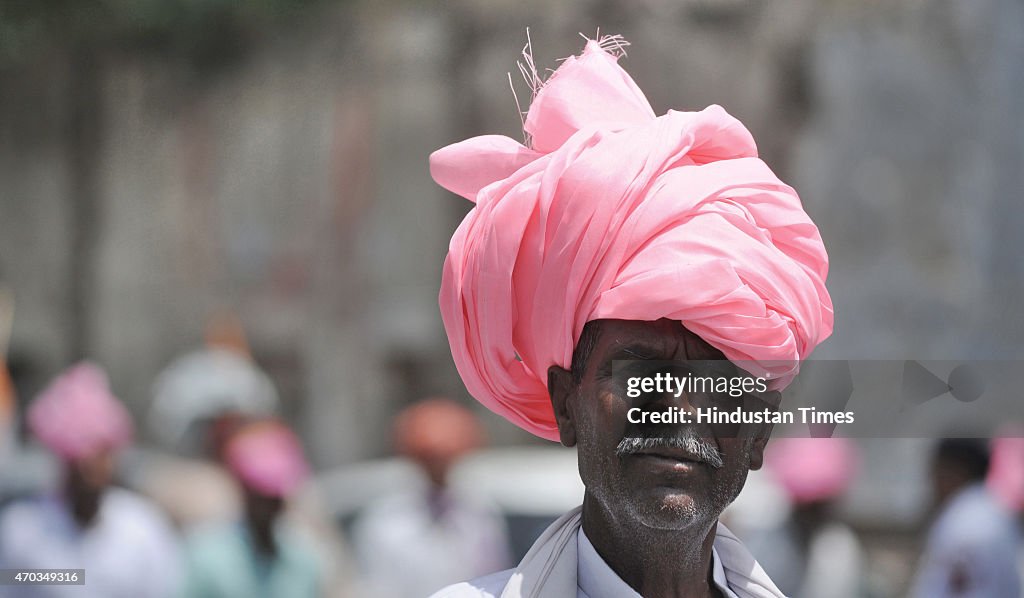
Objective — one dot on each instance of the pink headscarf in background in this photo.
(77, 416)
(1006, 470)
(615, 213)
(813, 469)
(267, 457)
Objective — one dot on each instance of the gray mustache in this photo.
(687, 441)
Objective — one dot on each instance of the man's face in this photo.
(93, 473)
(261, 509)
(657, 487)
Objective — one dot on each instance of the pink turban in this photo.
(812, 469)
(268, 458)
(76, 416)
(615, 213)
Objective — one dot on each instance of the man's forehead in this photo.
(652, 339)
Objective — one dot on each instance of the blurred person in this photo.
(621, 235)
(198, 400)
(413, 543)
(125, 545)
(813, 553)
(972, 547)
(259, 555)
(194, 491)
(1006, 476)
(204, 386)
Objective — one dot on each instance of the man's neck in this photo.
(84, 505)
(656, 563)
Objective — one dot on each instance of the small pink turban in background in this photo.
(77, 416)
(267, 457)
(1006, 470)
(812, 469)
(616, 213)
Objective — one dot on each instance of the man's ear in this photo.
(764, 432)
(561, 389)
(757, 449)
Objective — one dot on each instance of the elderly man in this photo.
(438, 534)
(621, 235)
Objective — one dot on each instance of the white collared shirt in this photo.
(129, 550)
(596, 579)
(434, 551)
(976, 539)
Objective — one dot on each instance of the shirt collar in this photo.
(596, 579)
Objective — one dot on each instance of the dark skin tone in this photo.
(948, 478)
(260, 513)
(809, 518)
(85, 479)
(651, 517)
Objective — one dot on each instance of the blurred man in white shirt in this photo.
(973, 544)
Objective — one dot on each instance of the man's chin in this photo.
(669, 508)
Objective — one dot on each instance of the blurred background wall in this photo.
(163, 162)
(168, 163)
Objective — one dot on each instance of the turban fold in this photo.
(616, 213)
(77, 416)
